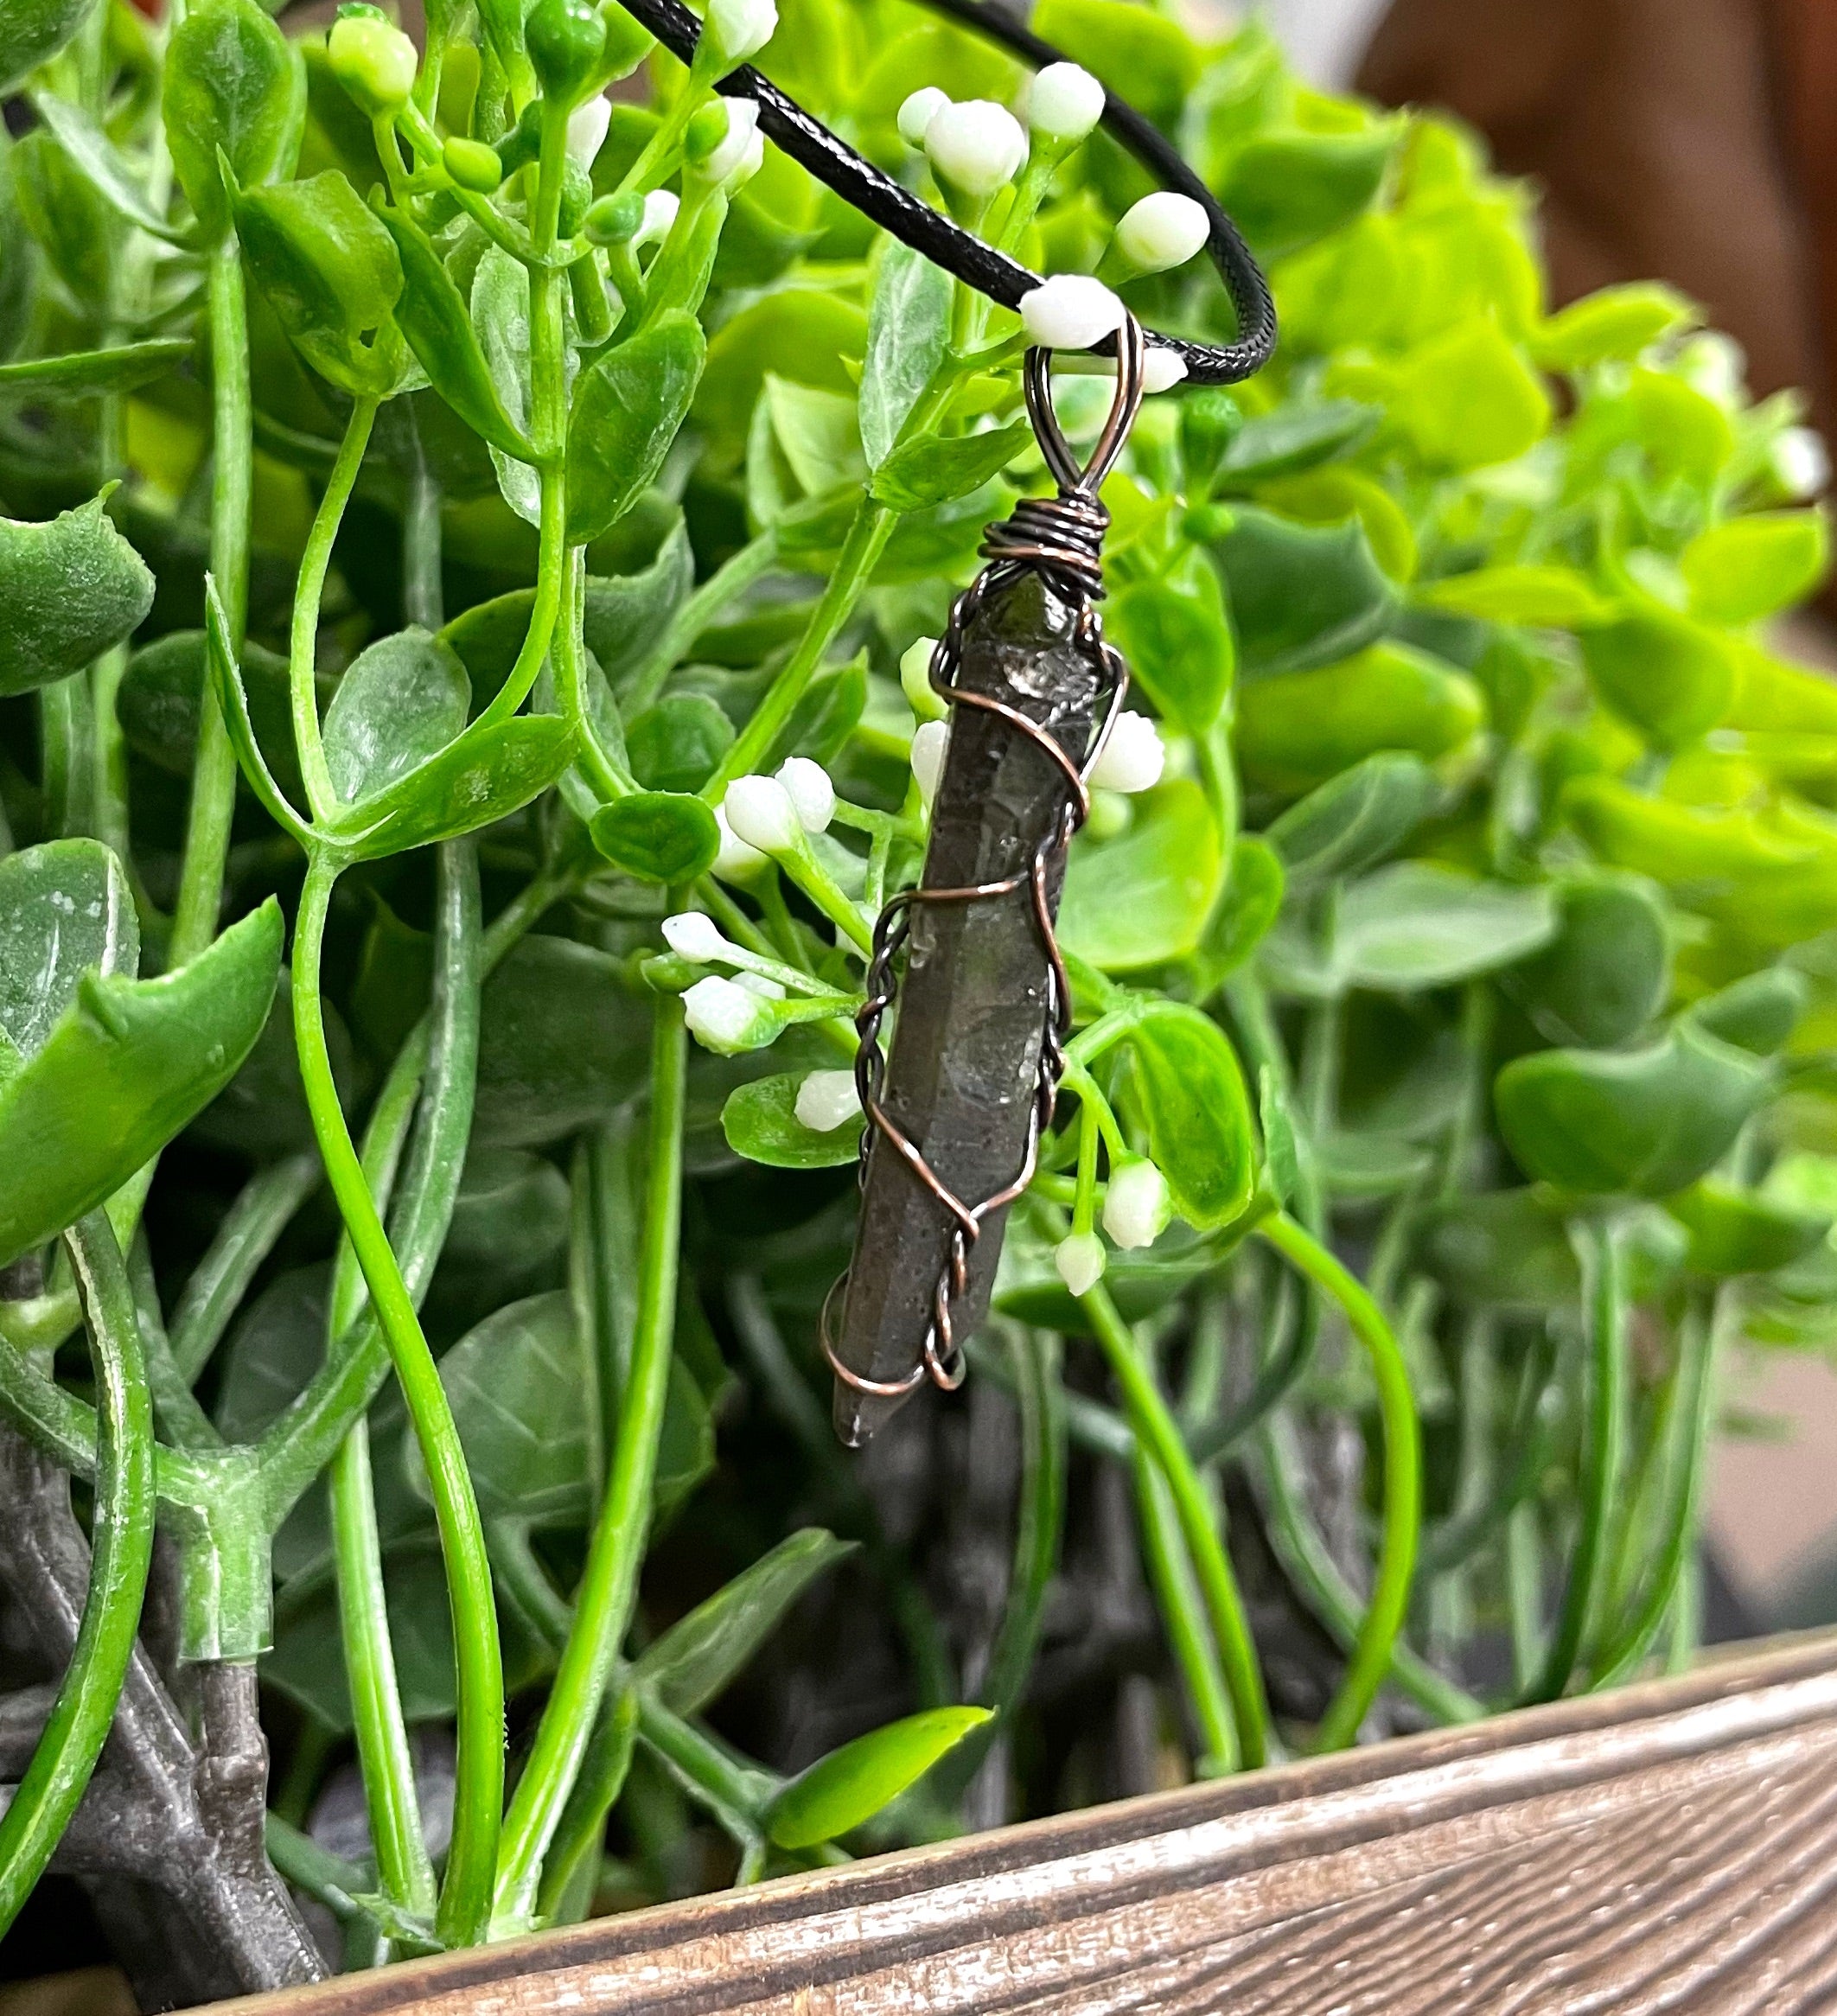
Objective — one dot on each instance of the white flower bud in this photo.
(917, 112)
(1136, 1205)
(694, 934)
(1800, 461)
(827, 1099)
(1133, 757)
(1714, 365)
(928, 747)
(1161, 231)
(1071, 312)
(587, 125)
(760, 811)
(725, 1016)
(915, 680)
(736, 145)
(736, 861)
(741, 27)
(1065, 104)
(812, 794)
(976, 147)
(762, 985)
(1162, 369)
(1080, 1259)
(660, 214)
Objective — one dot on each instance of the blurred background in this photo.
(1692, 141)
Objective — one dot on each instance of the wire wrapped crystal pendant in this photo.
(956, 1108)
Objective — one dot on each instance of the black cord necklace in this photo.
(957, 1108)
(813, 146)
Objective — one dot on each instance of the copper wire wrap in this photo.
(1061, 539)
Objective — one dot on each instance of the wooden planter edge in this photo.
(1703, 1809)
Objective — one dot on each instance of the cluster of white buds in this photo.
(929, 745)
(974, 148)
(812, 796)
(827, 1099)
(1136, 1205)
(915, 680)
(587, 125)
(1064, 104)
(735, 30)
(738, 157)
(772, 815)
(1134, 756)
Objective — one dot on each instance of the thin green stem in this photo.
(1402, 1496)
(608, 1586)
(232, 456)
(465, 1899)
(121, 1550)
(321, 794)
(1176, 1596)
(245, 1238)
(726, 584)
(67, 739)
(1603, 1435)
(868, 534)
(1158, 1432)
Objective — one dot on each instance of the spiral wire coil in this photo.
(1061, 539)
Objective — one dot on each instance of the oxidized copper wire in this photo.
(1061, 539)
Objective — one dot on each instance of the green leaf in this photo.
(908, 324)
(1672, 677)
(1610, 326)
(277, 1346)
(1192, 1097)
(701, 1654)
(1555, 597)
(817, 435)
(71, 589)
(1254, 885)
(1285, 190)
(627, 411)
(926, 472)
(65, 911)
(1468, 399)
(625, 614)
(1145, 895)
(1355, 820)
(760, 1121)
(126, 1065)
(1509, 1248)
(838, 1792)
(1298, 436)
(1139, 1285)
(233, 698)
(797, 333)
(675, 745)
(332, 274)
(658, 836)
(1650, 1121)
(564, 1043)
(432, 315)
(1607, 972)
(1300, 594)
(1409, 927)
(234, 83)
(89, 373)
(1296, 731)
(95, 157)
(1740, 1232)
(32, 32)
(1755, 565)
(492, 770)
(74, 229)
(514, 1384)
(1172, 631)
(1757, 1013)
(402, 700)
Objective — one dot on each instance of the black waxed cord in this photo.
(885, 202)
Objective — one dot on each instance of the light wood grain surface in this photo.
(1669, 1847)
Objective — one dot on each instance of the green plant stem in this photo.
(1524, 1593)
(335, 1883)
(232, 452)
(609, 1585)
(1159, 1434)
(121, 1550)
(1402, 1498)
(1465, 1531)
(607, 778)
(867, 538)
(67, 738)
(1695, 1397)
(321, 794)
(730, 580)
(247, 1235)
(736, 1794)
(465, 1899)
(1176, 1596)
(1603, 1435)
